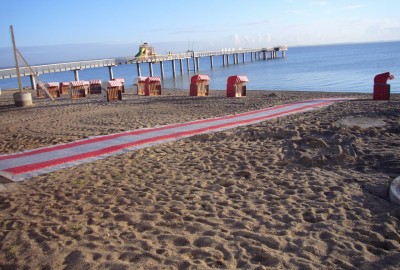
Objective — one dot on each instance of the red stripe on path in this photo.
(28, 158)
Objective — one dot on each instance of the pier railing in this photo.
(43, 69)
(75, 66)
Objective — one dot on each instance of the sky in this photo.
(49, 31)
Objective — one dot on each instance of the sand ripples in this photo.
(301, 192)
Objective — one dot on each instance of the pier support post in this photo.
(181, 66)
(265, 55)
(139, 73)
(162, 69)
(244, 57)
(110, 73)
(211, 62)
(33, 82)
(194, 63)
(283, 54)
(173, 68)
(223, 59)
(251, 57)
(188, 64)
(227, 59)
(198, 63)
(151, 69)
(76, 74)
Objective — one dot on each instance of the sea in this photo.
(327, 68)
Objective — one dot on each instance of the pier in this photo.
(192, 59)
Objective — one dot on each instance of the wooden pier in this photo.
(192, 58)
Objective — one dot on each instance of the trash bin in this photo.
(152, 86)
(199, 85)
(236, 86)
(381, 88)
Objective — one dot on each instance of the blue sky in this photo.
(48, 30)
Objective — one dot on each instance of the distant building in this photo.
(145, 50)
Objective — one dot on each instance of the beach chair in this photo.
(141, 83)
(122, 81)
(152, 86)
(113, 91)
(79, 89)
(64, 88)
(95, 87)
(236, 86)
(199, 85)
(53, 88)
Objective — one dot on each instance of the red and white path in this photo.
(24, 165)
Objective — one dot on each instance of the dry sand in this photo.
(307, 191)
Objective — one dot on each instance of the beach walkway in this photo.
(24, 165)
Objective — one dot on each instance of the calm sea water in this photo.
(331, 68)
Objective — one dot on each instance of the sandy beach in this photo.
(305, 191)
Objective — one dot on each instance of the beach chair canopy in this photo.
(237, 79)
(153, 79)
(52, 84)
(78, 83)
(95, 82)
(114, 84)
(199, 77)
(382, 78)
(141, 79)
(122, 80)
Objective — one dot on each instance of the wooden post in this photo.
(173, 68)
(198, 63)
(151, 69)
(211, 62)
(110, 73)
(162, 69)
(16, 59)
(188, 64)
(33, 81)
(181, 65)
(223, 59)
(244, 57)
(138, 69)
(76, 74)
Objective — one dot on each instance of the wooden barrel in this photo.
(22, 99)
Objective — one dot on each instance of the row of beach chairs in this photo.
(199, 86)
(81, 89)
(146, 86)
